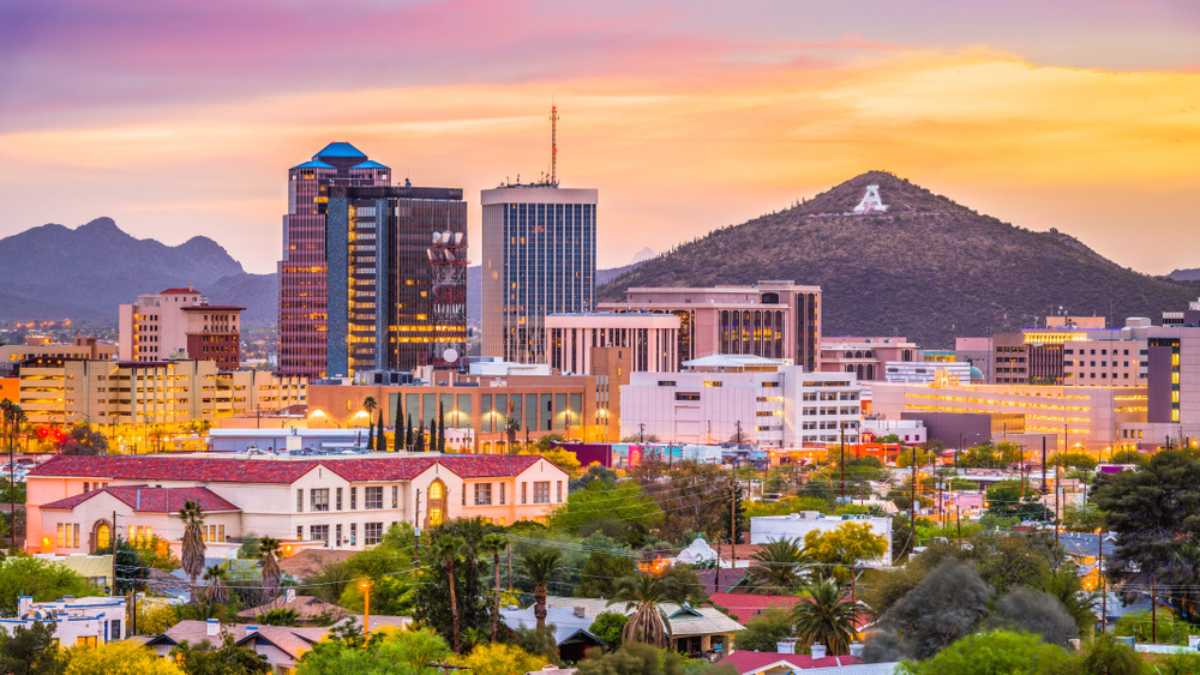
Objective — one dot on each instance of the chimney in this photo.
(24, 604)
(856, 649)
(818, 650)
(580, 612)
(786, 646)
(212, 627)
(289, 595)
(137, 499)
(251, 629)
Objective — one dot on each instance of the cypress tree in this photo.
(433, 431)
(398, 417)
(380, 436)
(420, 439)
(408, 435)
(441, 438)
(370, 435)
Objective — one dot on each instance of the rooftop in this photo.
(339, 150)
(735, 361)
(757, 662)
(179, 291)
(314, 164)
(151, 500)
(265, 470)
(369, 164)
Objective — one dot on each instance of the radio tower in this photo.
(554, 145)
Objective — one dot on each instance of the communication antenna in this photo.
(554, 145)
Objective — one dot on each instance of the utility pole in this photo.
(641, 432)
(1057, 487)
(1153, 607)
(1043, 464)
(912, 517)
(1103, 582)
(958, 522)
(842, 439)
(112, 540)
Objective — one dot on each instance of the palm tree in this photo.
(777, 568)
(268, 555)
(827, 614)
(540, 565)
(643, 593)
(448, 550)
(369, 404)
(494, 544)
(13, 416)
(193, 540)
(218, 592)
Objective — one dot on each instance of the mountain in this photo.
(646, 253)
(927, 267)
(475, 288)
(1191, 274)
(54, 271)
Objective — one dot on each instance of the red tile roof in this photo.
(178, 291)
(221, 470)
(744, 606)
(750, 662)
(152, 500)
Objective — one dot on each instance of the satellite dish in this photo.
(450, 355)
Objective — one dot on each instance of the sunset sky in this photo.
(182, 118)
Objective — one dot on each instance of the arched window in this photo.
(101, 535)
(435, 504)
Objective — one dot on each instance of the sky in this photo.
(181, 118)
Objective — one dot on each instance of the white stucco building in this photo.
(767, 402)
(77, 621)
(334, 502)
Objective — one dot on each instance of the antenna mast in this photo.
(554, 145)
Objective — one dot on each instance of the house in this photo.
(746, 606)
(782, 663)
(308, 608)
(330, 502)
(692, 630)
(283, 646)
(76, 621)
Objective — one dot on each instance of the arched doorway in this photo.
(435, 504)
(101, 535)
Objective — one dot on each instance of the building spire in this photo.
(554, 145)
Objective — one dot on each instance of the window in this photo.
(319, 498)
(299, 501)
(319, 533)
(372, 497)
(502, 495)
(337, 537)
(541, 492)
(213, 533)
(86, 641)
(353, 533)
(558, 492)
(114, 629)
(395, 496)
(339, 499)
(353, 498)
(524, 493)
(687, 396)
(372, 533)
(300, 532)
(483, 494)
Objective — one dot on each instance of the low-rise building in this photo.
(866, 357)
(333, 502)
(86, 621)
(651, 338)
(794, 526)
(721, 398)
(179, 322)
(924, 372)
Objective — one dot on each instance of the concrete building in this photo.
(866, 357)
(771, 319)
(481, 410)
(721, 398)
(12, 357)
(924, 372)
(372, 275)
(794, 526)
(652, 340)
(906, 430)
(1173, 387)
(77, 622)
(333, 502)
(150, 393)
(539, 258)
(976, 351)
(1084, 417)
(179, 323)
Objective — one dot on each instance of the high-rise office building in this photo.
(373, 275)
(539, 258)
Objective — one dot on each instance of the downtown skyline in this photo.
(685, 123)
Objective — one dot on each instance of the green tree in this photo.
(408, 433)
(118, 658)
(369, 404)
(609, 625)
(494, 545)
(778, 567)
(216, 592)
(499, 659)
(83, 440)
(765, 630)
(1005, 500)
(31, 651)
(41, 579)
(643, 593)
(1085, 518)
(602, 570)
(1105, 656)
(391, 593)
(540, 565)
(1127, 457)
(681, 584)
(837, 552)
(268, 556)
(1075, 460)
(1065, 586)
(278, 616)
(441, 437)
(622, 511)
(1152, 512)
(409, 652)
(381, 435)
(228, 658)
(643, 659)
(827, 614)
(432, 584)
(192, 545)
(999, 652)
(419, 445)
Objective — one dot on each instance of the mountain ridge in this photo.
(926, 267)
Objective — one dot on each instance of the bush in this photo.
(764, 631)
(608, 626)
(1000, 651)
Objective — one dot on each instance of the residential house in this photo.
(76, 621)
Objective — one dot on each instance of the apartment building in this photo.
(866, 357)
(179, 322)
(333, 502)
(652, 339)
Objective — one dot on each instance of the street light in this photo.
(365, 587)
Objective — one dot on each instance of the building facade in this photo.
(652, 340)
(539, 258)
(924, 372)
(747, 399)
(332, 502)
(12, 357)
(1173, 387)
(76, 622)
(179, 322)
(865, 356)
(771, 319)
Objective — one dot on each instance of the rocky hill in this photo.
(54, 271)
(925, 267)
